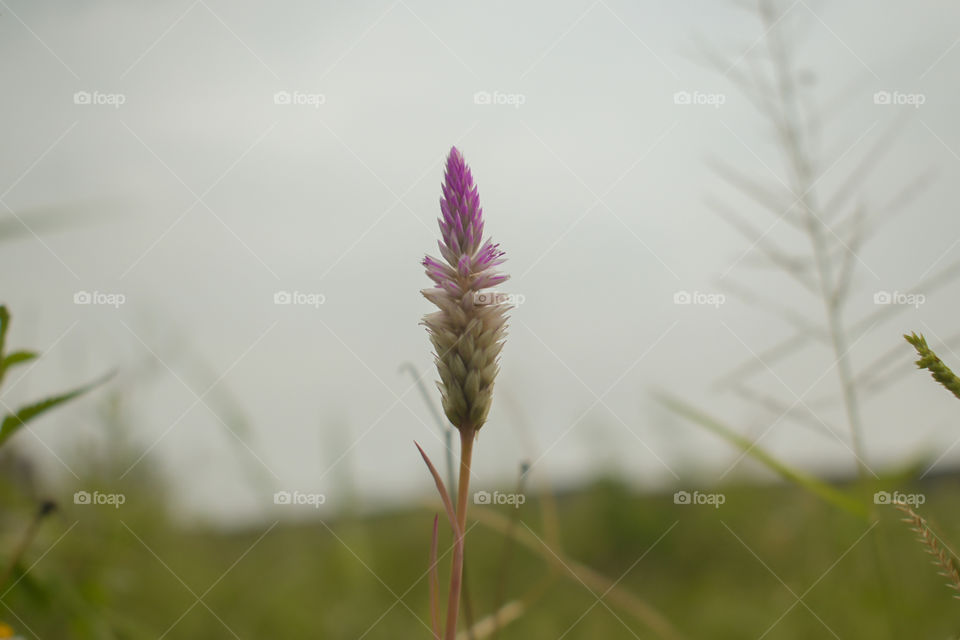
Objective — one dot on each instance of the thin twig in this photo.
(46, 508)
(613, 592)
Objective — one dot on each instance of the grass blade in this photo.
(444, 495)
(11, 360)
(4, 325)
(12, 422)
(809, 482)
(613, 592)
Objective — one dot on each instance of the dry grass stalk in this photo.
(926, 535)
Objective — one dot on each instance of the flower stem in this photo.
(467, 436)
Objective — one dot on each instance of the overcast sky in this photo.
(210, 155)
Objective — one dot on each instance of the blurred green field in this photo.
(771, 562)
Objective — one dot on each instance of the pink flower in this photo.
(467, 337)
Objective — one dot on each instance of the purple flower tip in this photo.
(468, 260)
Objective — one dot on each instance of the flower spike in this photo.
(467, 336)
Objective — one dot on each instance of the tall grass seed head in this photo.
(467, 337)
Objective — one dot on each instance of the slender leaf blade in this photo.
(816, 486)
(17, 357)
(4, 325)
(12, 422)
